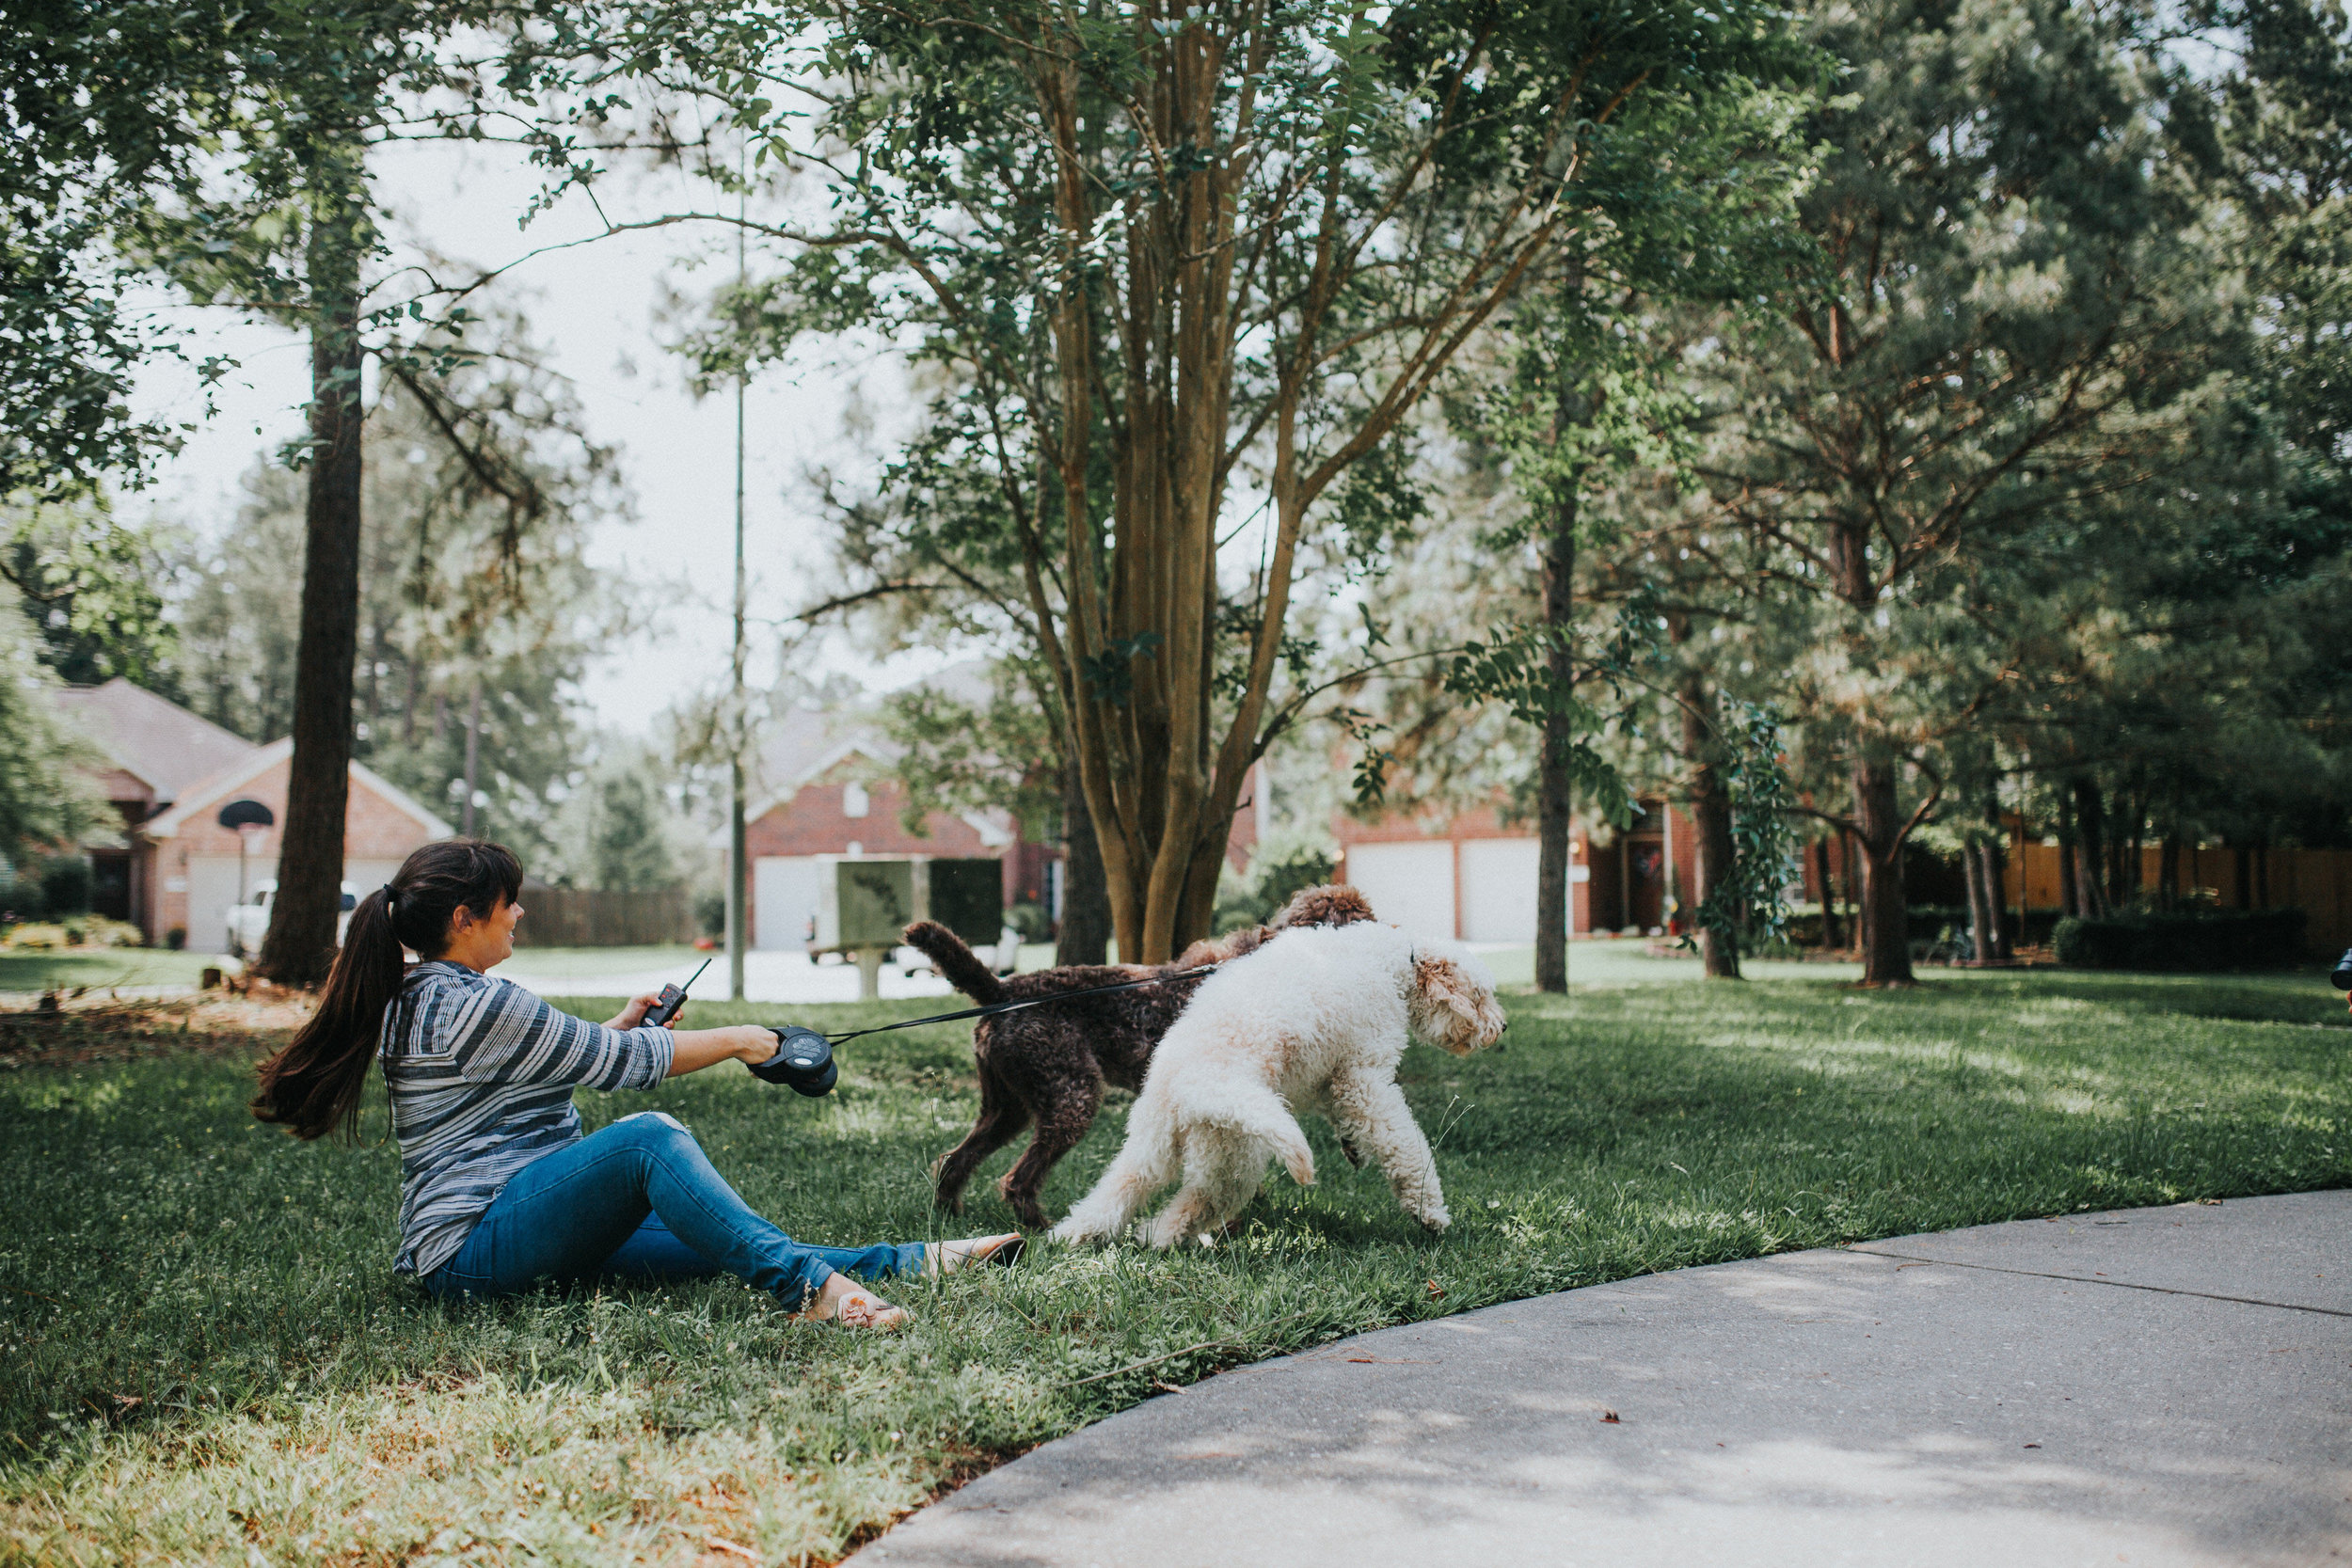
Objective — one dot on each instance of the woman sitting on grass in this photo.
(498, 1189)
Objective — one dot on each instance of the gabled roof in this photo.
(152, 739)
(210, 791)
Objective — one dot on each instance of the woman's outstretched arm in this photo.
(696, 1049)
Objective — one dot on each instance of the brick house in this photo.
(169, 774)
(1471, 876)
(844, 802)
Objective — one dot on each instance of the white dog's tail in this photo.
(1146, 1162)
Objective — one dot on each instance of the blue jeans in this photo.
(639, 1199)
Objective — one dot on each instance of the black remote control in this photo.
(665, 1007)
(803, 1062)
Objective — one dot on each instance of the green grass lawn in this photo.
(102, 968)
(204, 1357)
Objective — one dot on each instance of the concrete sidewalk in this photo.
(2155, 1387)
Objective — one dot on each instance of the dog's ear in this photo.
(1441, 981)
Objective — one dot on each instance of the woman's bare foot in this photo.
(846, 1301)
(947, 1257)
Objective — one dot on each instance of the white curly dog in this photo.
(1314, 1019)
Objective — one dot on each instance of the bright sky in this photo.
(594, 309)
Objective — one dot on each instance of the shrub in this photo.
(38, 936)
(1930, 923)
(1032, 921)
(65, 885)
(2190, 940)
(177, 937)
(99, 931)
(710, 914)
(20, 897)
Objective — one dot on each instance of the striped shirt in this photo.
(482, 1073)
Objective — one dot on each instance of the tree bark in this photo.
(2090, 848)
(1885, 916)
(1981, 916)
(1710, 814)
(300, 947)
(2069, 890)
(1996, 861)
(1554, 800)
(1833, 931)
(1083, 935)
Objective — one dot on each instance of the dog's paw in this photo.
(1300, 1163)
(1435, 1219)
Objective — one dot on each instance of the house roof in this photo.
(805, 744)
(152, 739)
(206, 793)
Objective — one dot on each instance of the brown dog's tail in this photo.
(954, 961)
(1332, 904)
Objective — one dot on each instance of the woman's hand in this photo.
(695, 1049)
(634, 1014)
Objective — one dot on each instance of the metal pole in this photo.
(735, 706)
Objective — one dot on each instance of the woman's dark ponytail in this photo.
(314, 1087)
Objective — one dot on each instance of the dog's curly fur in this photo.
(1047, 1066)
(1316, 1021)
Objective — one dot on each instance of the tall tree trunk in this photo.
(1995, 863)
(1981, 916)
(1554, 802)
(1710, 814)
(2130, 882)
(2090, 847)
(300, 947)
(1832, 933)
(2070, 889)
(1084, 934)
(1885, 915)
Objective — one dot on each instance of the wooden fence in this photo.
(2317, 881)
(591, 917)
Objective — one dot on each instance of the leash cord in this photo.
(995, 1008)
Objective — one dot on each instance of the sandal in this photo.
(941, 1258)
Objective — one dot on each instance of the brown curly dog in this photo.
(1047, 1066)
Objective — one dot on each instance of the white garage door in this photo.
(784, 901)
(1499, 889)
(212, 888)
(1409, 884)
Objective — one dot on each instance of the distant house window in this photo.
(854, 801)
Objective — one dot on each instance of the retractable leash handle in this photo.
(803, 1063)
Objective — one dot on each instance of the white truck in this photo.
(248, 922)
